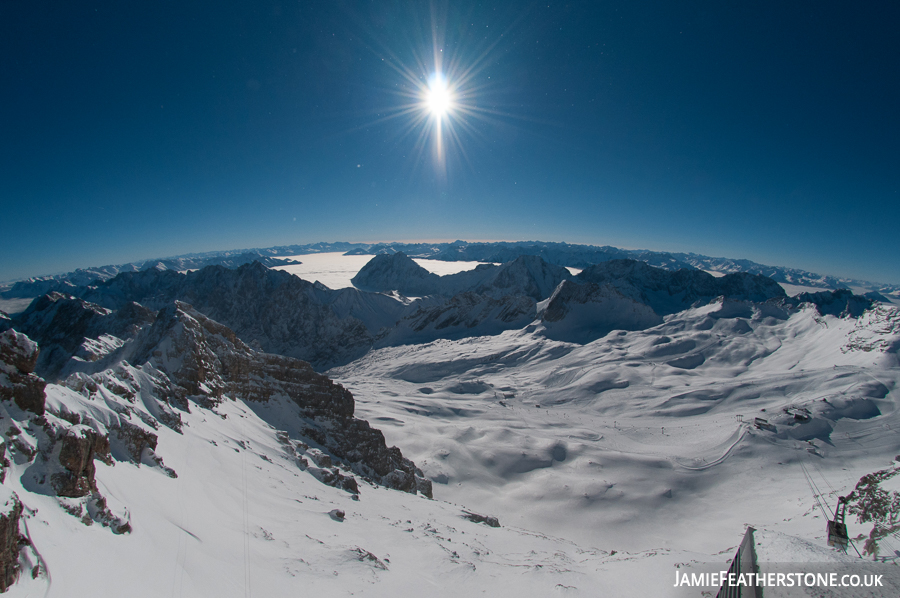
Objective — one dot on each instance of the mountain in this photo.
(158, 434)
(278, 310)
(466, 314)
(581, 313)
(560, 254)
(178, 359)
(584, 256)
(396, 272)
(67, 283)
(670, 292)
(525, 275)
(102, 495)
(841, 303)
(647, 435)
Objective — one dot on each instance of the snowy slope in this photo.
(220, 494)
(633, 440)
(610, 464)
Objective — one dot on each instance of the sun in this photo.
(438, 98)
(444, 94)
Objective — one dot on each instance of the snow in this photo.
(796, 289)
(335, 270)
(242, 518)
(15, 306)
(622, 443)
(608, 464)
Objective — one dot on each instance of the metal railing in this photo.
(744, 562)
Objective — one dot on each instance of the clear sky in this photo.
(762, 130)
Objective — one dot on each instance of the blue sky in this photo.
(762, 130)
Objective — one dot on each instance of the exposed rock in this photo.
(585, 312)
(133, 440)
(423, 486)
(337, 514)
(79, 445)
(841, 303)
(525, 275)
(466, 314)
(280, 311)
(333, 477)
(485, 519)
(356, 442)
(66, 326)
(670, 292)
(187, 355)
(4, 462)
(396, 272)
(204, 357)
(319, 458)
(364, 556)
(10, 540)
(18, 356)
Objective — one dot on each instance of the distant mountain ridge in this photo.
(584, 256)
(560, 254)
(283, 314)
(62, 283)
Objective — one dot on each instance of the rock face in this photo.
(78, 447)
(670, 292)
(67, 327)
(190, 357)
(396, 272)
(528, 276)
(581, 313)
(18, 357)
(283, 313)
(10, 512)
(466, 314)
(841, 303)
(201, 356)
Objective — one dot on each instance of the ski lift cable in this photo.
(822, 496)
(821, 473)
(812, 489)
(812, 485)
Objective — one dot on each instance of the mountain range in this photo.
(560, 254)
(236, 422)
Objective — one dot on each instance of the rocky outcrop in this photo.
(466, 314)
(363, 447)
(582, 313)
(18, 383)
(670, 292)
(78, 447)
(67, 327)
(278, 310)
(526, 275)
(10, 539)
(841, 303)
(396, 272)
(488, 520)
(202, 357)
